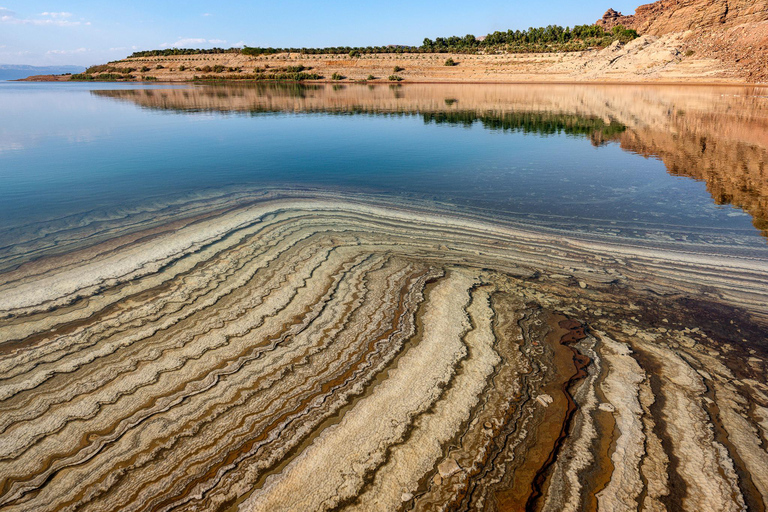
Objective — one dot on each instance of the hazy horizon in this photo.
(55, 33)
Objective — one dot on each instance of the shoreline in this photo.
(687, 83)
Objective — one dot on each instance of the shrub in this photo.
(159, 66)
(450, 62)
(296, 77)
(148, 78)
(101, 68)
(623, 34)
(689, 53)
(370, 77)
(337, 76)
(144, 69)
(218, 68)
(257, 51)
(182, 67)
(397, 69)
(354, 53)
(109, 76)
(394, 78)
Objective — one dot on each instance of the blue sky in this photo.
(84, 32)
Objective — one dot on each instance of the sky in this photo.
(86, 32)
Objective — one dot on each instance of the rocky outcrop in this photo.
(667, 16)
(732, 31)
(611, 18)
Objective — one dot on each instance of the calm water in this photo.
(567, 156)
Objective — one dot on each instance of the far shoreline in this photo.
(686, 82)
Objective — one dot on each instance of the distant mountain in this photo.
(16, 71)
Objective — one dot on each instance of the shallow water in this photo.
(632, 161)
(279, 297)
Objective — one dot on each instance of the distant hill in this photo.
(16, 71)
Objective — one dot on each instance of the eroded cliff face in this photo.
(667, 16)
(733, 31)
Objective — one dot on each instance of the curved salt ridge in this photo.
(727, 275)
(707, 471)
(341, 351)
(143, 258)
(621, 389)
(410, 461)
(382, 419)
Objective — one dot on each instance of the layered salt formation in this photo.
(317, 351)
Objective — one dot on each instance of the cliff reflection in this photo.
(718, 135)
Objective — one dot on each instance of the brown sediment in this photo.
(511, 403)
(575, 332)
(547, 428)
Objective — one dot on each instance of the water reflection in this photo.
(718, 135)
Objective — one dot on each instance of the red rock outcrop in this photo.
(611, 18)
(732, 31)
(667, 16)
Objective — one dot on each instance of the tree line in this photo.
(535, 39)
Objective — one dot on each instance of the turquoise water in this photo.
(66, 149)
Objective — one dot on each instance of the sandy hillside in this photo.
(648, 58)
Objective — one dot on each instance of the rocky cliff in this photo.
(732, 31)
(667, 16)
